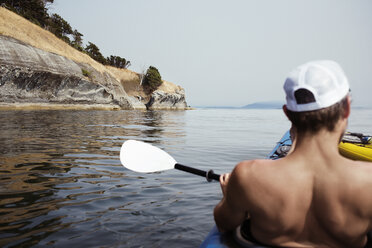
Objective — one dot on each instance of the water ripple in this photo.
(62, 184)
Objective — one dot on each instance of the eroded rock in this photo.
(31, 75)
(162, 100)
(34, 76)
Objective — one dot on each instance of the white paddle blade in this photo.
(142, 157)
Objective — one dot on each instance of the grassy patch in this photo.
(85, 73)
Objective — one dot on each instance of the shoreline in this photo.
(56, 106)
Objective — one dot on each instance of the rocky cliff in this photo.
(38, 69)
(29, 75)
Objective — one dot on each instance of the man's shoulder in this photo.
(246, 165)
(249, 168)
(361, 164)
(253, 164)
(360, 167)
(361, 171)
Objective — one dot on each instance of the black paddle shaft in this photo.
(209, 175)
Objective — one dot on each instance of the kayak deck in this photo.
(356, 146)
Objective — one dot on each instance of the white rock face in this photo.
(16, 53)
(31, 75)
(162, 100)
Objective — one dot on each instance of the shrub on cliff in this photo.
(152, 80)
(78, 41)
(60, 27)
(93, 51)
(118, 61)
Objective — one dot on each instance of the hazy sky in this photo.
(230, 53)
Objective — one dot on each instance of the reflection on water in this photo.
(62, 184)
(60, 170)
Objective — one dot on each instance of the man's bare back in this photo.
(312, 197)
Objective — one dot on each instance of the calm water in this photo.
(62, 184)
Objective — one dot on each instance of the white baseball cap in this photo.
(315, 85)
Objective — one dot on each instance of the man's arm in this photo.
(231, 211)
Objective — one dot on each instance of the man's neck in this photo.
(323, 144)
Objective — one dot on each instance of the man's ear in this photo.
(347, 107)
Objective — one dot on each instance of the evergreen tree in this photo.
(152, 80)
(93, 51)
(118, 61)
(60, 27)
(78, 41)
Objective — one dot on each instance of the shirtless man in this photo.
(313, 197)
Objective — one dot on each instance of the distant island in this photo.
(264, 105)
(267, 105)
(256, 105)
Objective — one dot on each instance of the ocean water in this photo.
(62, 184)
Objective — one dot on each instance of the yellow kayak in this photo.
(356, 146)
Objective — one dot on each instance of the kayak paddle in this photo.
(142, 157)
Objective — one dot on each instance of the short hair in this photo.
(313, 121)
